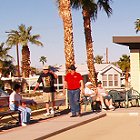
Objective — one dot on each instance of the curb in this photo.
(72, 126)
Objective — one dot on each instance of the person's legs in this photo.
(23, 115)
(52, 102)
(102, 101)
(107, 102)
(47, 107)
(111, 104)
(28, 114)
(77, 101)
(71, 102)
(47, 100)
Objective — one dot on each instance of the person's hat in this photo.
(72, 67)
(88, 83)
(45, 67)
(99, 82)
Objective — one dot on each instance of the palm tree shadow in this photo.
(65, 111)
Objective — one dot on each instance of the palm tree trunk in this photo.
(126, 78)
(89, 47)
(65, 13)
(18, 61)
(25, 61)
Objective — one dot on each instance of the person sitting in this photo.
(107, 98)
(16, 103)
(93, 94)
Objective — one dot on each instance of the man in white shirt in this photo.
(89, 91)
(15, 103)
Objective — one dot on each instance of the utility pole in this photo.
(106, 55)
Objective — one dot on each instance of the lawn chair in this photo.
(117, 98)
(132, 96)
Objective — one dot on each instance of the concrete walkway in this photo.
(47, 128)
(50, 127)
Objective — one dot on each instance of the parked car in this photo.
(4, 98)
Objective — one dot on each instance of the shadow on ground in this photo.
(13, 124)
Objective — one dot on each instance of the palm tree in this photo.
(3, 55)
(124, 64)
(65, 14)
(43, 59)
(89, 11)
(137, 25)
(14, 40)
(25, 38)
(98, 59)
(8, 67)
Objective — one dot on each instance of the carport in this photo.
(133, 42)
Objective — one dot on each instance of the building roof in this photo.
(83, 69)
(132, 41)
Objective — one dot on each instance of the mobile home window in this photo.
(115, 79)
(110, 79)
(104, 79)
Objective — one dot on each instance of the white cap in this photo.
(88, 83)
(45, 67)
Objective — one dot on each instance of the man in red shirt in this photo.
(73, 82)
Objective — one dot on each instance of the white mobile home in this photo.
(109, 74)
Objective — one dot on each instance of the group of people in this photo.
(17, 103)
(74, 84)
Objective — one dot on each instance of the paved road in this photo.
(111, 127)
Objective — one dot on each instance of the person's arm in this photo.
(37, 85)
(64, 87)
(82, 86)
(55, 75)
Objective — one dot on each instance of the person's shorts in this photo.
(108, 97)
(48, 97)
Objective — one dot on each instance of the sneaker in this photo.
(111, 107)
(23, 124)
(73, 116)
(47, 114)
(52, 112)
(103, 110)
(103, 106)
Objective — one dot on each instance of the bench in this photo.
(4, 110)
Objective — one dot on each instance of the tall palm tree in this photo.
(25, 38)
(137, 25)
(89, 11)
(65, 14)
(14, 40)
(124, 64)
(43, 59)
(3, 55)
(98, 59)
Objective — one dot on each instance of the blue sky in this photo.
(43, 16)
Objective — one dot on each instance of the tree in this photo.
(137, 25)
(89, 11)
(98, 59)
(8, 67)
(14, 40)
(43, 59)
(25, 38)
(4, 55)
(65, 14)
(124, 64)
